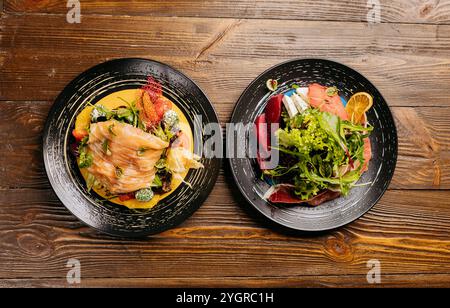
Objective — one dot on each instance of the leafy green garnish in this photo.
(105, 147)
(164, 134)
(134, 117)
(85, 159)
(156, 181)
(101, 111)
(319, 151)
(159, 131)
(83, 142)
(332, 125)
(126, 114)
(161, 163)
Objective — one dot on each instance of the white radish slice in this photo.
(290, 106)
(303, 93)
(299, 103)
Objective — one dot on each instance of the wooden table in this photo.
(223, 45)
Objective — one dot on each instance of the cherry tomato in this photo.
(126, 197)
(79, 134)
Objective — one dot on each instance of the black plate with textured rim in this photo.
(342, 210)
(65, 177)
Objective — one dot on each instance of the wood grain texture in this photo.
(423, 134)
(341, 281)
(409, 65)
(424, 148)
(403, 11)
(407, 231)
(223, 45)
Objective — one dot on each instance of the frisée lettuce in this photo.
(319, 151)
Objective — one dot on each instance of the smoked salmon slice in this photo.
(318, 98)
(124, 156)
(367, 154)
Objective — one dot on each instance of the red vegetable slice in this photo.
(284, 193)
(273, 109)
(162, 104)
(262, 139)
(126, 197)
(151, 103)
(261, 131)
(153, 88)
(80, 134)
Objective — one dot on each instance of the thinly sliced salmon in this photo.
(318, 98)
(129, 163)
(367, 154)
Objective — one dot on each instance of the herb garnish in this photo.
(156, 181)
(84, 159)
(118, 171)
(141, 150)
(110, 129)
(331, 91)
(105, 147)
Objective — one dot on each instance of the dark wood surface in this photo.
(223, 45)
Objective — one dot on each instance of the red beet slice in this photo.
(273, 109)
(127, 196)
(262, 139)
(262, 132)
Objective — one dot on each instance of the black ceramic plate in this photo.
(383, 140)
(64, 175)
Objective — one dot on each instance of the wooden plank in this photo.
(407, 231)
(404, 11)
(408, 63)
(424, 148)
(341, 281)
(21, 161)
(423, 133)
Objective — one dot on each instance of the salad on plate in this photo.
(134, 147)
(323, 143)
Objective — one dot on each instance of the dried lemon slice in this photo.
(358, 105)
